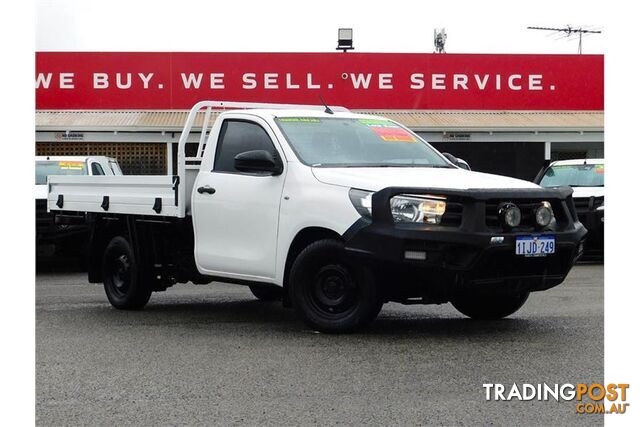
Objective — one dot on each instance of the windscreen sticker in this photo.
(71, 165)
(599, 168)
(388, 131)
(377, 122)
(299, 120)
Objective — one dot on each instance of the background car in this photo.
(586, 177)
(53, 237)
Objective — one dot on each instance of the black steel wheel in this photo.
(331, 293)
(122, 276)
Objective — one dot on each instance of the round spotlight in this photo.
(543, 214)
(510, 215)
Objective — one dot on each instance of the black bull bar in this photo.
(467, 253)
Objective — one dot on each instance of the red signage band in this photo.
(162, 80)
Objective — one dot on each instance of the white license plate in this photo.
(535, 245)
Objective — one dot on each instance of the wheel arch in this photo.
(100, 234)
(303, 238)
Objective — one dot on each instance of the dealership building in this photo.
(504, 114)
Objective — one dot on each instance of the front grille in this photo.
(581, 204)
(453, 215)
(586, 204)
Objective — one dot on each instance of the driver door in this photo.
(236, 213)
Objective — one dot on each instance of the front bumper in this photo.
(52, 228)
(463, 257)
(593, 220)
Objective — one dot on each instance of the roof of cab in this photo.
(274, 113)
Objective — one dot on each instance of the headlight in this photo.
(600, 208)
(543, 214)
(510, 215)
(361, 200)
(425, 209)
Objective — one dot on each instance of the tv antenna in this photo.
(570, 31)
(439, 38)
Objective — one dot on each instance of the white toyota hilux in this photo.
(333, 212)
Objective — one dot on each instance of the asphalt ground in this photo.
(203, 355)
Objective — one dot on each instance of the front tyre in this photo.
(490, 307)
(330, 293)
(123, 276)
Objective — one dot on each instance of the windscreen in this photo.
(574, 176)
(341, 142)
(63, 167)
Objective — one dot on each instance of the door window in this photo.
(96, 169)
(238, 136)
(115, 168)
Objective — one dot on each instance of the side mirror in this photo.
(256, 161)
(456, 161)
(463, 164)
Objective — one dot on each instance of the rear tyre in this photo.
(123, 276)
(267, 293)
(329, 292)
(489, 307)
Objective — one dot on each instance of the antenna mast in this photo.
(439, 38)
(568, 31)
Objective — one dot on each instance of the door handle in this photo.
(206, 189)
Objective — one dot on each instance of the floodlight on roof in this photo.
(345, 39)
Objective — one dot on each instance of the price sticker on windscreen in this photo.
(388, 131)
(70, 165)
(299, 120)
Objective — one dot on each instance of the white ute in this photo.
(333, 212)
(586, 177)
(71, 165)
(59, 238)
